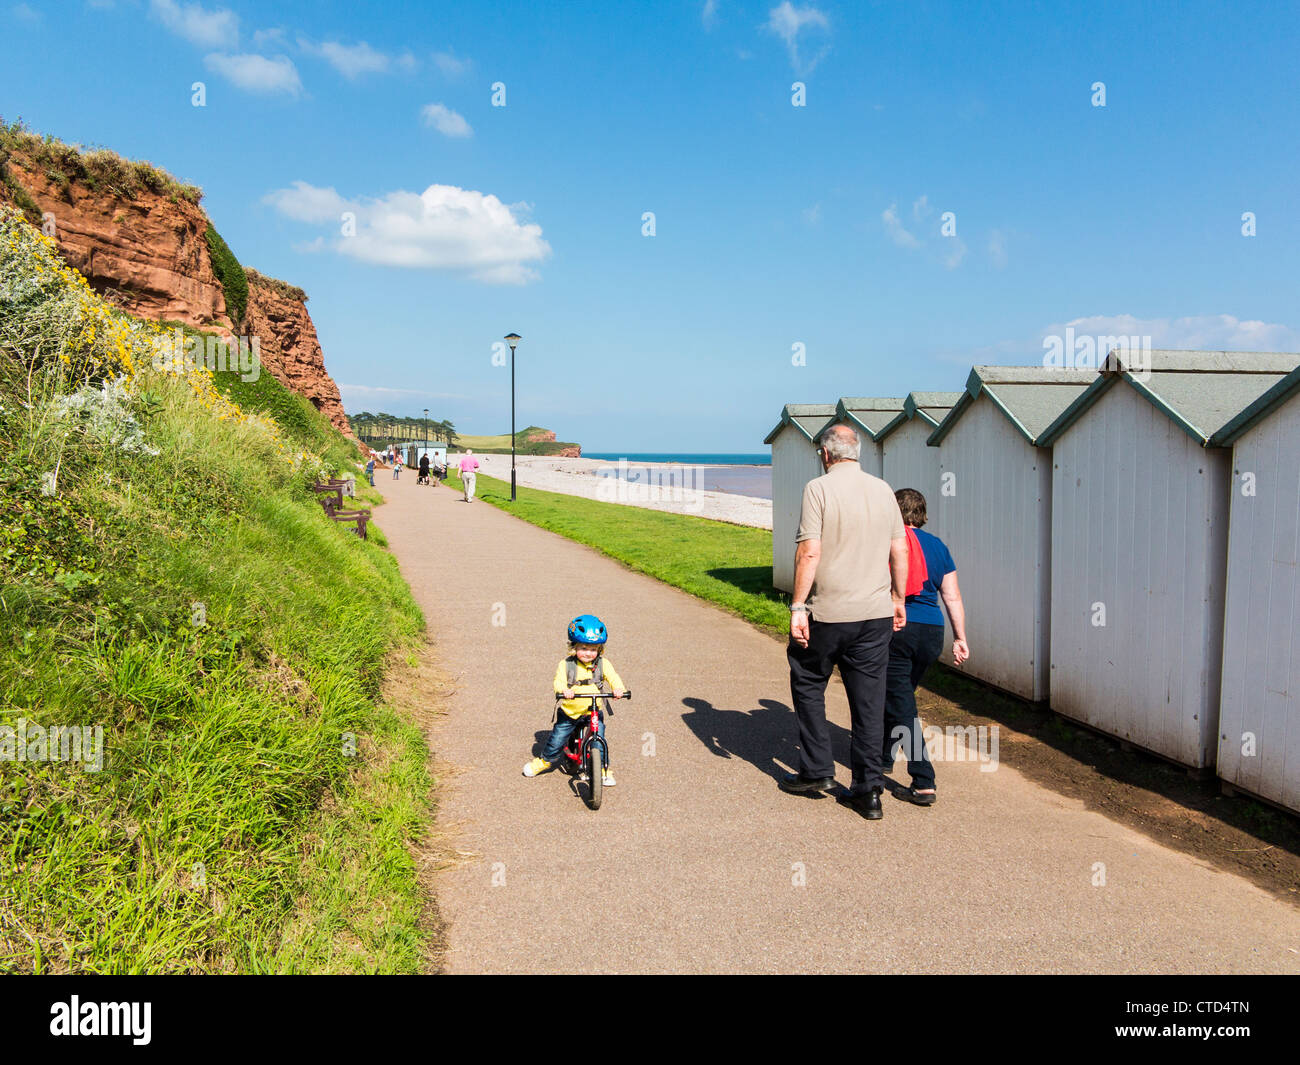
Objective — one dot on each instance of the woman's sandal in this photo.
(920, 798)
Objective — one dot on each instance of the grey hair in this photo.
(841, 442)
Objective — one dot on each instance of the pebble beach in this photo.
(666, 488)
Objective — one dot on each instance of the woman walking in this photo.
(916, 646)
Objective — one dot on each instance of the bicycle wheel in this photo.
(595, 763)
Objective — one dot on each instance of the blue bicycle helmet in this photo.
(587, 628)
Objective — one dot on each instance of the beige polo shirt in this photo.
(855, 516)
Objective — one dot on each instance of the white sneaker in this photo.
(607, 778)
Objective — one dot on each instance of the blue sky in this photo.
(775, 225)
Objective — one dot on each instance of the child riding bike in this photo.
(584, 671)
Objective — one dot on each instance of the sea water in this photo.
(735, 474)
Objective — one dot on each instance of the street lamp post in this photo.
(512, 339)
(426, 430)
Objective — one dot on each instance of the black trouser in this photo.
(913, 650)
(861, 650)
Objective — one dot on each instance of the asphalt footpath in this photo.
(696, 862)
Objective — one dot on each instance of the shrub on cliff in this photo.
(52, 325)
(64, 163)
(234, 282)
(282, 288)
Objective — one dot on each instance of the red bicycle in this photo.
(586, 753)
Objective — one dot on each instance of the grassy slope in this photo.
(236, 825)
(730, 565)
(500, 444)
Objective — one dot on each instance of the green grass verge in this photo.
(730, 565)
(301, 422)
(252, 772)
(258, 799)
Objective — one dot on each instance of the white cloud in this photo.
(257, 73)
(709, 16)
(1206, 332)
(25, 13)
(950, 249)
(451, 66)
(262, 38)
(445, 121)
(788, 22)
(813, 215)
(998, 248)
(354, 60)
(307, 203)
(897, 232)
(442, 228)
(361, 392)
(208, 29)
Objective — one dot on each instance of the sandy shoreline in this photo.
(661, 486)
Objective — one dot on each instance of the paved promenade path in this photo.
(696, 862)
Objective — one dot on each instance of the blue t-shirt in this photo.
(923, 608)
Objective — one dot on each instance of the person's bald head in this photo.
(841, 443)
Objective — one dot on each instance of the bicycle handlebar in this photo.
(597, 695)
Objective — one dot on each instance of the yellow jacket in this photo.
(582, 684)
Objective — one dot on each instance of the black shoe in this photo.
(798, 784)
(865, 802)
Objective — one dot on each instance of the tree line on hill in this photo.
(373, 428)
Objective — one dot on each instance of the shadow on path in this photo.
(766, 737)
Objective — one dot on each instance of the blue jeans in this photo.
(565, 727)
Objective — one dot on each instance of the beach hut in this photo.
(1259, 708)
(1140, 510)
(906, 461)
(794, 464)
(437, 454)
(869, 415)
(996, 492)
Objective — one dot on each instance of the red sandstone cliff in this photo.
(547, 436)
(145, 250)
(144, 253)
(278, 316)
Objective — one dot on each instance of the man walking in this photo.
(850, 577)
(468, 464)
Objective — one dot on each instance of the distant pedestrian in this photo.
(850, 580)
(917, 646)
(468, 464)
(370, 472)
(397, 466)
(424, 469)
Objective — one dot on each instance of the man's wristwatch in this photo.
(798, 608)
